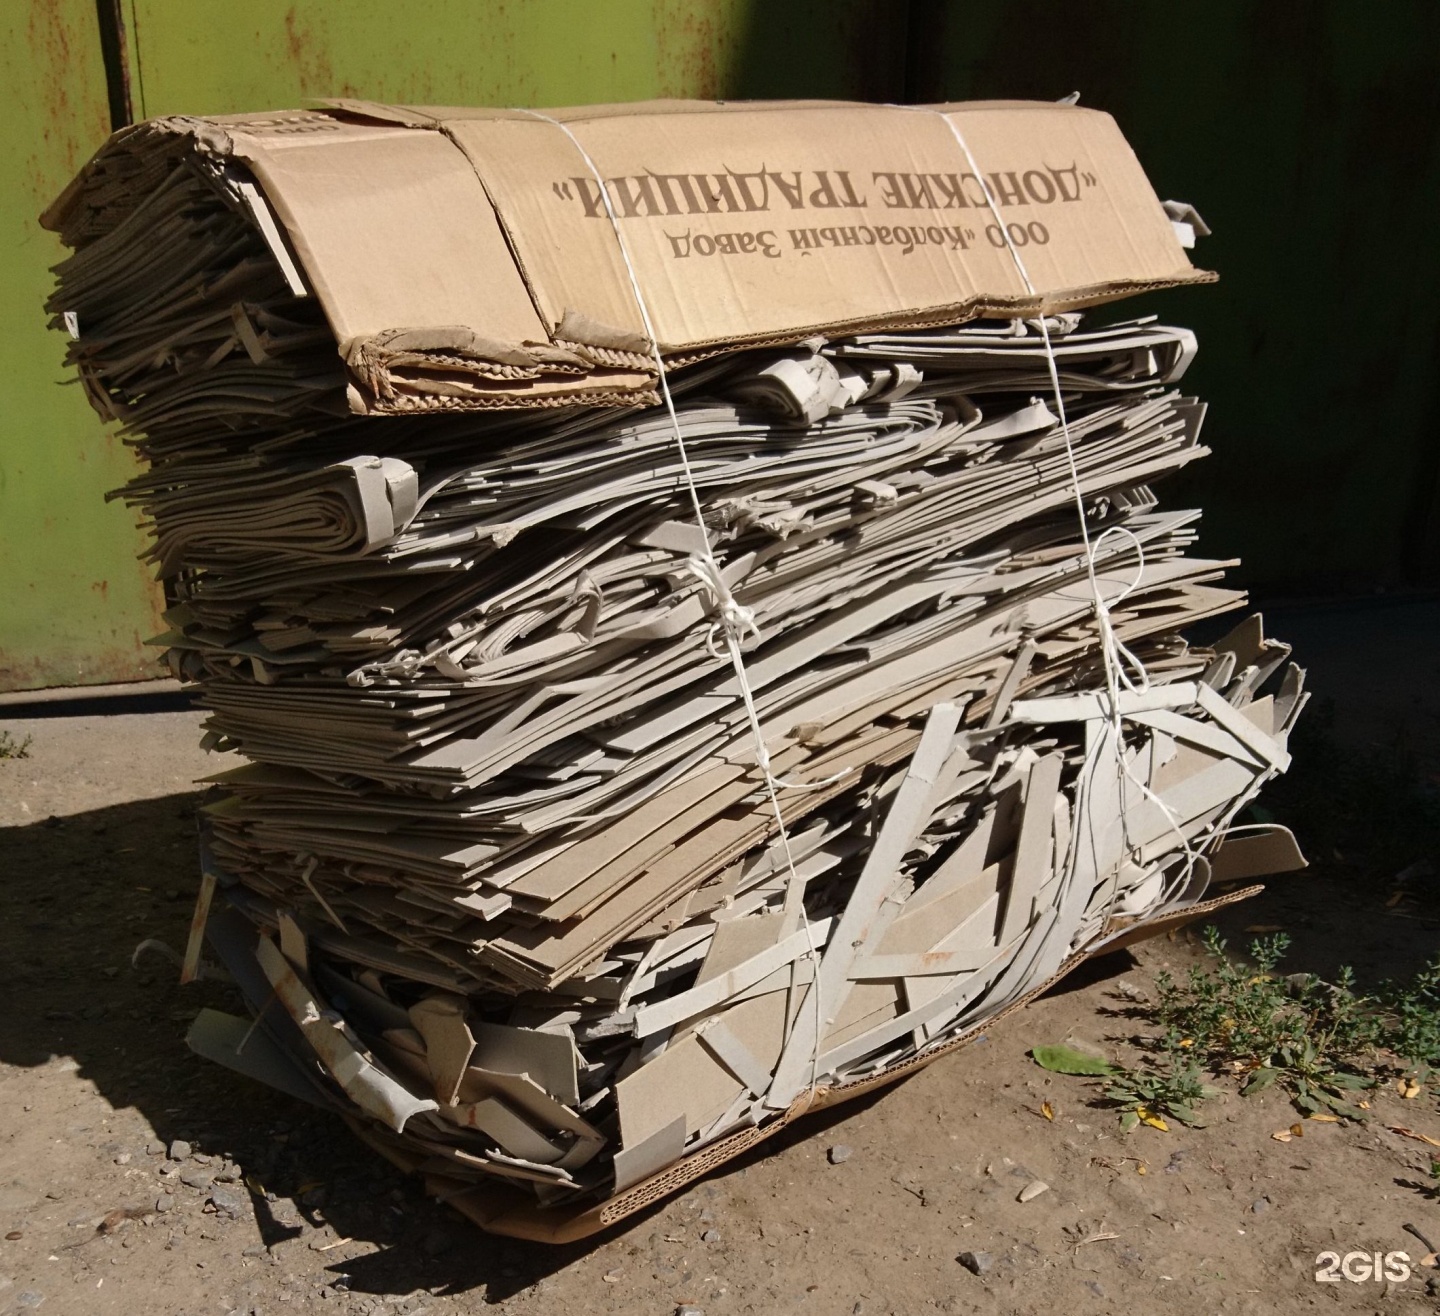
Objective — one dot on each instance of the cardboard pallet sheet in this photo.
(687, 585)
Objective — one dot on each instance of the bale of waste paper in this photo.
(687, 584)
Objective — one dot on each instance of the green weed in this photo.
(10, 748)
(1151, 1096)
(1321, 1043)
(1314, 1040)
(1413, 1020)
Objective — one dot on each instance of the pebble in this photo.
(688, 1310)
(180, 1149)
(29, 1298)
(163, 1203)
(227, 1202)
(710, 1236)
(154, 1147)
(1094, 1286)
(1032, 1190)
(1260, 1205)
(123, 1159)
(437, 1242)
(977, 1263)
(197, 1178)
(839, 1154)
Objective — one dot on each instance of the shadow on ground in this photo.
(81, 893)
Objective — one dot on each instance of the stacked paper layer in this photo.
(504, 877)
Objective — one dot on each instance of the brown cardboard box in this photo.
(465, 258)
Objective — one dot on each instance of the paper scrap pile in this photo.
(505, 877)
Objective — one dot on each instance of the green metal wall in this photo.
(75, 605)
(217, 56)
(1306, 131)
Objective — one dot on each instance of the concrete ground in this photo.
(97, 856)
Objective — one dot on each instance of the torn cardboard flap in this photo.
(466, 258)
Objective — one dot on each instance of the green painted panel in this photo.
(1308, 135)
(75, 605)
(214, 56)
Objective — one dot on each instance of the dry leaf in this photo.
(1408, 1087)
(1364, 1105)
(1265, 927)
(1281, 1135)
(1410, 1133)
(1047, 1110)
(1324, 1119)
(1428, 1261)
(1298, 1130)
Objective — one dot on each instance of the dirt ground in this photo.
(100, 1211)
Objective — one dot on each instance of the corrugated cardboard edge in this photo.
(498, 1211)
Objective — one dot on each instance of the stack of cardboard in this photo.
(623, 776)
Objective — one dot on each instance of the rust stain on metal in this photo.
(69, 130)
(100, 665)
(696, 45)
(309, 52)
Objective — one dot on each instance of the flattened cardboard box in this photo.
(466, 258)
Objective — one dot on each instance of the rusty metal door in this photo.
(75, 604)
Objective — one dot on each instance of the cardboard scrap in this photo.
(520, 875)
